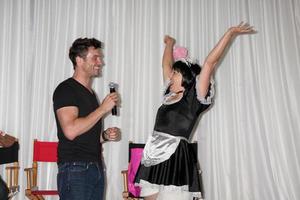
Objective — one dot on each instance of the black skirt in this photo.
(181, 169)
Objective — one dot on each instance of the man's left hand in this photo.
(112, 134)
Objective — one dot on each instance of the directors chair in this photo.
(42, 152)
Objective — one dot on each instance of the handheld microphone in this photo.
(112, 88)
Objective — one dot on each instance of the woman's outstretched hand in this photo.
(242, 28)
(168, 40)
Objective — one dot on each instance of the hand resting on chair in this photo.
(6, 140)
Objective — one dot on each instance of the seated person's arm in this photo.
(6, 140)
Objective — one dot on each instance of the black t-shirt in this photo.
(179, 118)
(87, 146)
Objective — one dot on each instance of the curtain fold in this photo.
(249, 141)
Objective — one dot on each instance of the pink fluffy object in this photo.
(179, 53)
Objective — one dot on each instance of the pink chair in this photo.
(131, 192)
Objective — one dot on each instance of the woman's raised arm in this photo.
(215, 54)
(167, 61)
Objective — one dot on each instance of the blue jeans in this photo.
(80, 181)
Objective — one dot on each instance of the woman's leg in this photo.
(151, 197)
(149, 191)
(174, 195)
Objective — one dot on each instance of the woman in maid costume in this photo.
(168, 168)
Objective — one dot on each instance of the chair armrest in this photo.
(28, 169)
(12, 167)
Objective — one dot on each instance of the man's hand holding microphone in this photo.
(110, 103)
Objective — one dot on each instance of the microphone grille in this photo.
(112, 85)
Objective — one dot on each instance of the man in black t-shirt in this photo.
(79, 124)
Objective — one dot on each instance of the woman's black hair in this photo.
(188, 71)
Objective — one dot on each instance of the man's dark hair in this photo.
(80, 48)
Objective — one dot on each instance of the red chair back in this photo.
(45, 151)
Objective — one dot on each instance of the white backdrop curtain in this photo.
(249, 141)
